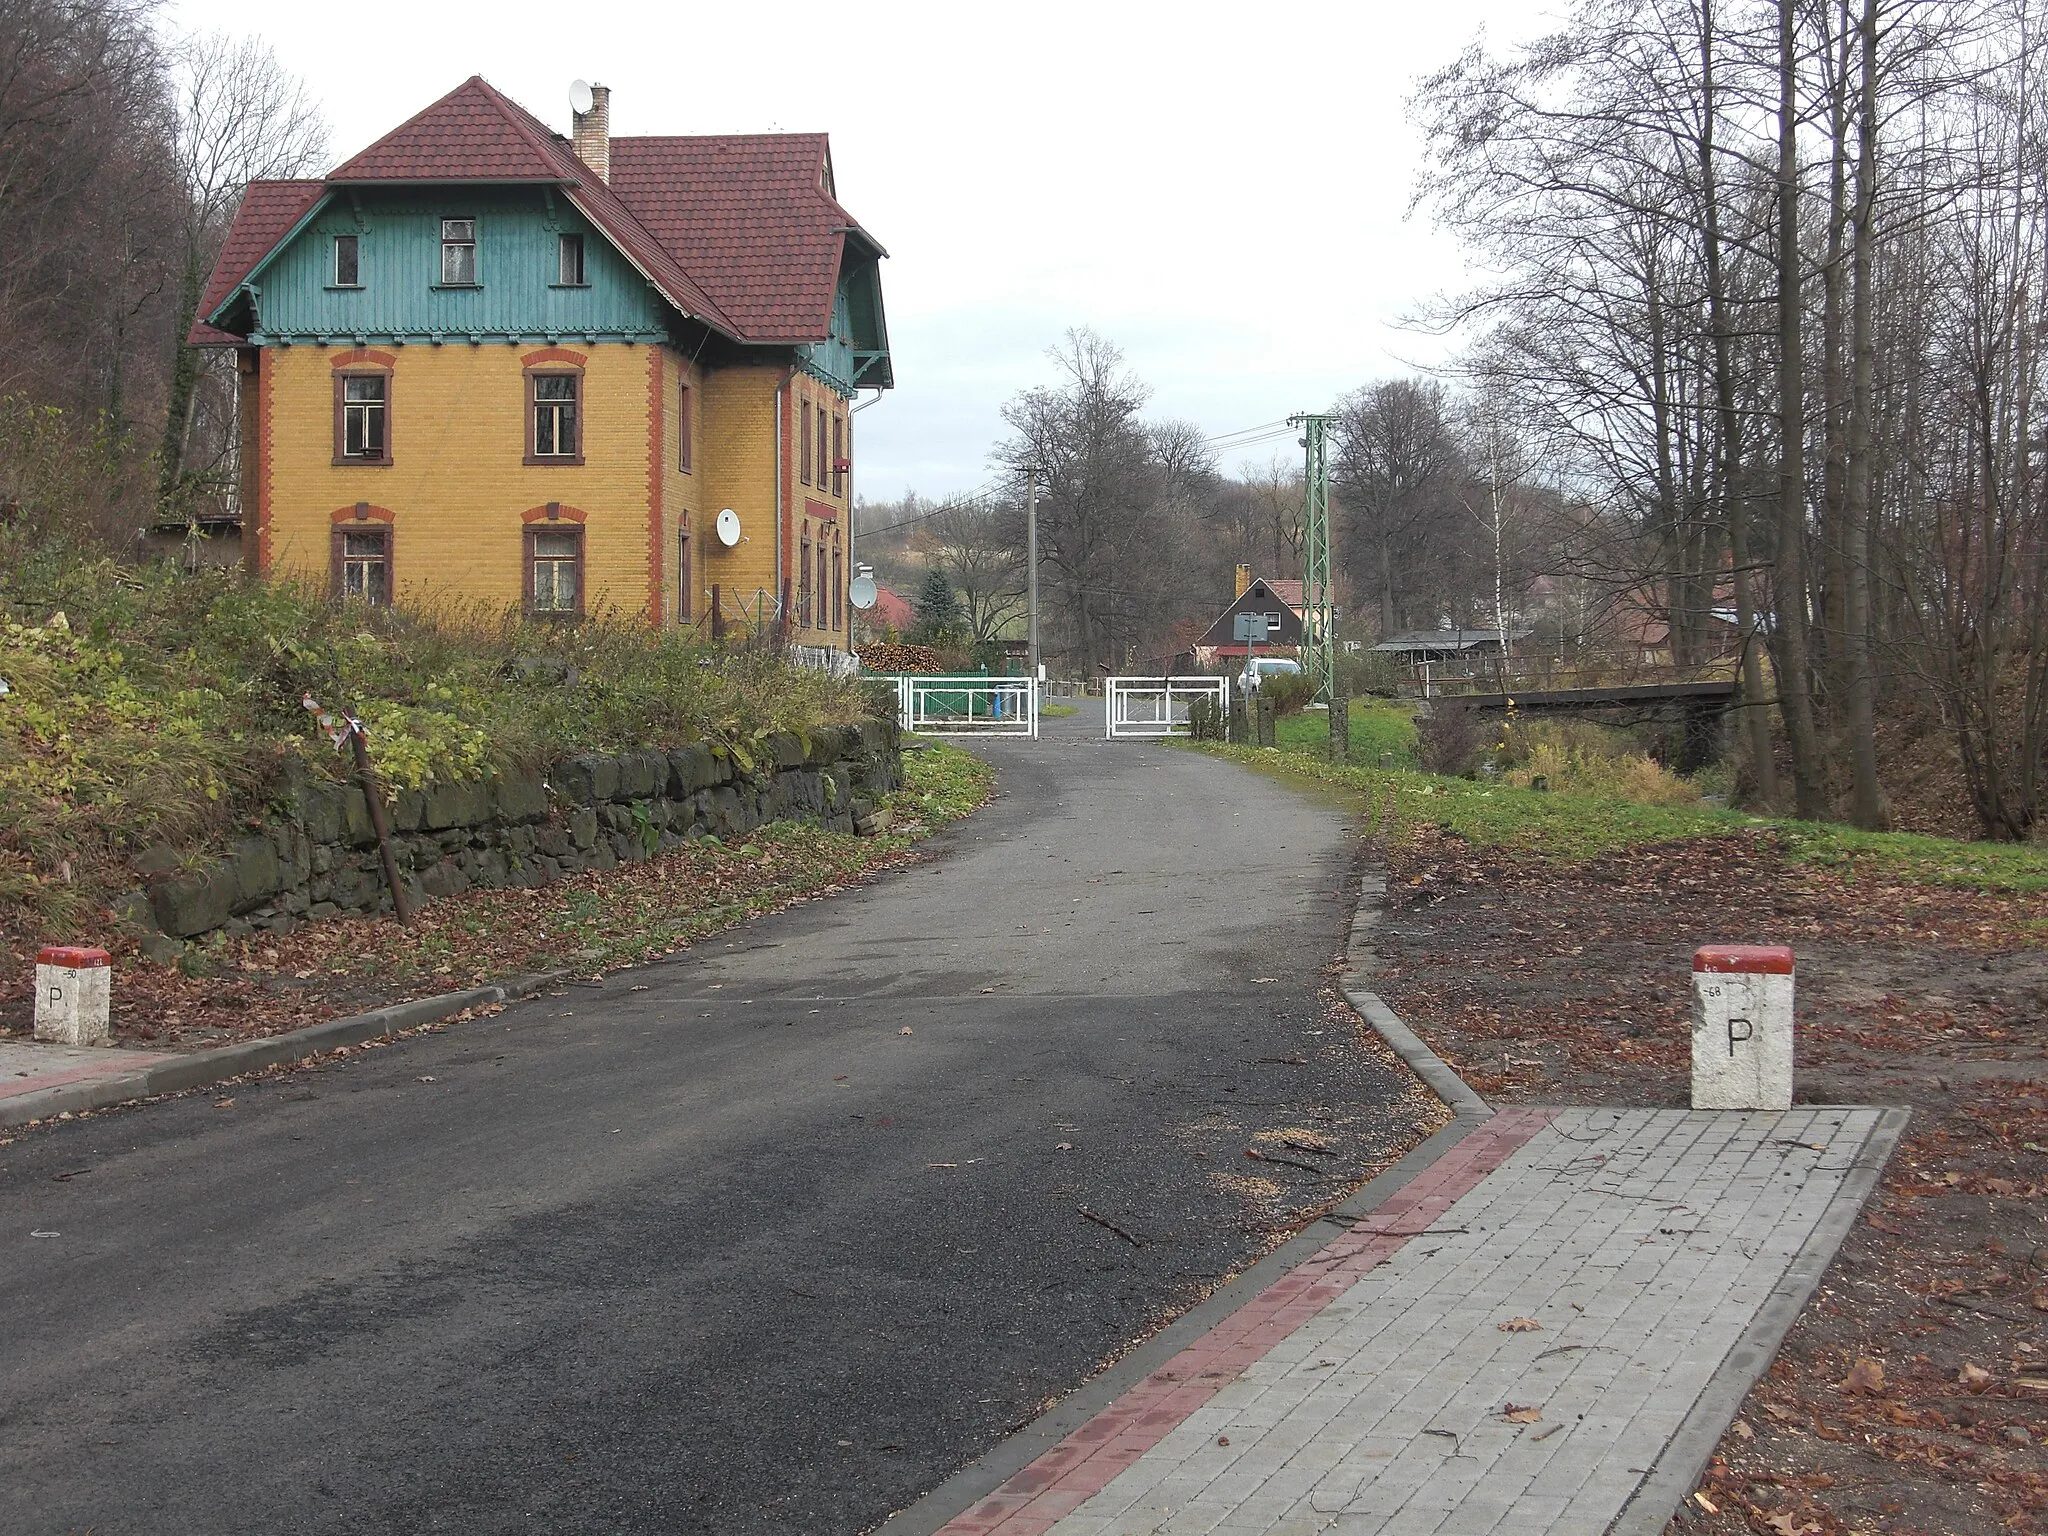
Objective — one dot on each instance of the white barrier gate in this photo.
(1146, 706)
(970, 705)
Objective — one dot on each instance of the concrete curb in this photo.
(250, 1055)
(1676, 1472)
(1362, 959)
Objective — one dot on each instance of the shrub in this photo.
(146, 706)
(1287, 692)
(1449, 738)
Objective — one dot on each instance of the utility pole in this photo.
(1319, 647)
(1031, 558)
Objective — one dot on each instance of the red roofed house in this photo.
(485, 358)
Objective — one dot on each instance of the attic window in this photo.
(346, 268)
(458, 253)
(571, 261)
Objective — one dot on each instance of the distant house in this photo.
(1279, 601)
(890, 609)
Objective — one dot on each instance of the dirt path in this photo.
(1912, 1397)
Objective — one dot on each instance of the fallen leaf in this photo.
(1866, 1377)
(1742, 1430)
(423, 1079)
(223, 1103)
(1791, 1525)
(1065, 1146)
(1520, 1413)
(1521, 1325)
(1973, 1376)
(1706, 1503)
(904, 1030)
(1223, 1439)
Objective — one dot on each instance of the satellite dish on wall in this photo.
(861, 592)
(728, 527)
(579, 96)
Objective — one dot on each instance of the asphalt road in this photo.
(771, 1237)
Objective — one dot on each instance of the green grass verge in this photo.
(1573, 829)
(1057, 711)
(1382, 733)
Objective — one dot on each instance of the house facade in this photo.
(480, 360)
(1281, 603)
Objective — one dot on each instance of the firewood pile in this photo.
(883, 656)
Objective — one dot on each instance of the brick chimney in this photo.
(592, 133)
(1244, 580)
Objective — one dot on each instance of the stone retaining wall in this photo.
(589, 812)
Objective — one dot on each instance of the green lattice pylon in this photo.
(1319, 643)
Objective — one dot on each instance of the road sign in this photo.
(1254, 626)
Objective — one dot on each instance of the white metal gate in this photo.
(1158, 706)
(970, 705)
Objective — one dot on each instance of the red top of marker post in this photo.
(74, 957)
(1743, 959)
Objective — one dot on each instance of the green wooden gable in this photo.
(856, 356)
(400, 296)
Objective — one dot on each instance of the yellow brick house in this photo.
(486, 361)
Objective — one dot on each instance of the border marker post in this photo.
(1742, 1026)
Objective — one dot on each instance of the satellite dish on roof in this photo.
(728, 526)
(862, 592)
(579, 96)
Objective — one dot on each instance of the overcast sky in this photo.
(1221, 192)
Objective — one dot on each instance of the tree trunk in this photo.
(1834, 581)
(1756, 720)
(1795, 688)
(184, 382)
(1867, 803)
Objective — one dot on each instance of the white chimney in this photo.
(592, 132)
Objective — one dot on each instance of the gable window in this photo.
(571, 264)
(347, 267)
(362, 565)
(554, 570)
(683, 428)
(458, 253)
(555, 400)
(838, 455)
(803, 438)
(362, 425)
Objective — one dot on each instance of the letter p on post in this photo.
(74, 995)
(1742, 1026)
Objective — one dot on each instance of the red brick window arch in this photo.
(554, 406)
(360, 555)
(553, 561)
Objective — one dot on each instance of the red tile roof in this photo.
(268, 213)
(474, 133)
(751, 216)
(739, 230)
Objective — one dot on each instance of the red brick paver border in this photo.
(1084, 1463)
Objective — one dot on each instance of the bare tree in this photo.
(980, 546)
(242, 117)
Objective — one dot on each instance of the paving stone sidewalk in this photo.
(1393, 1383)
